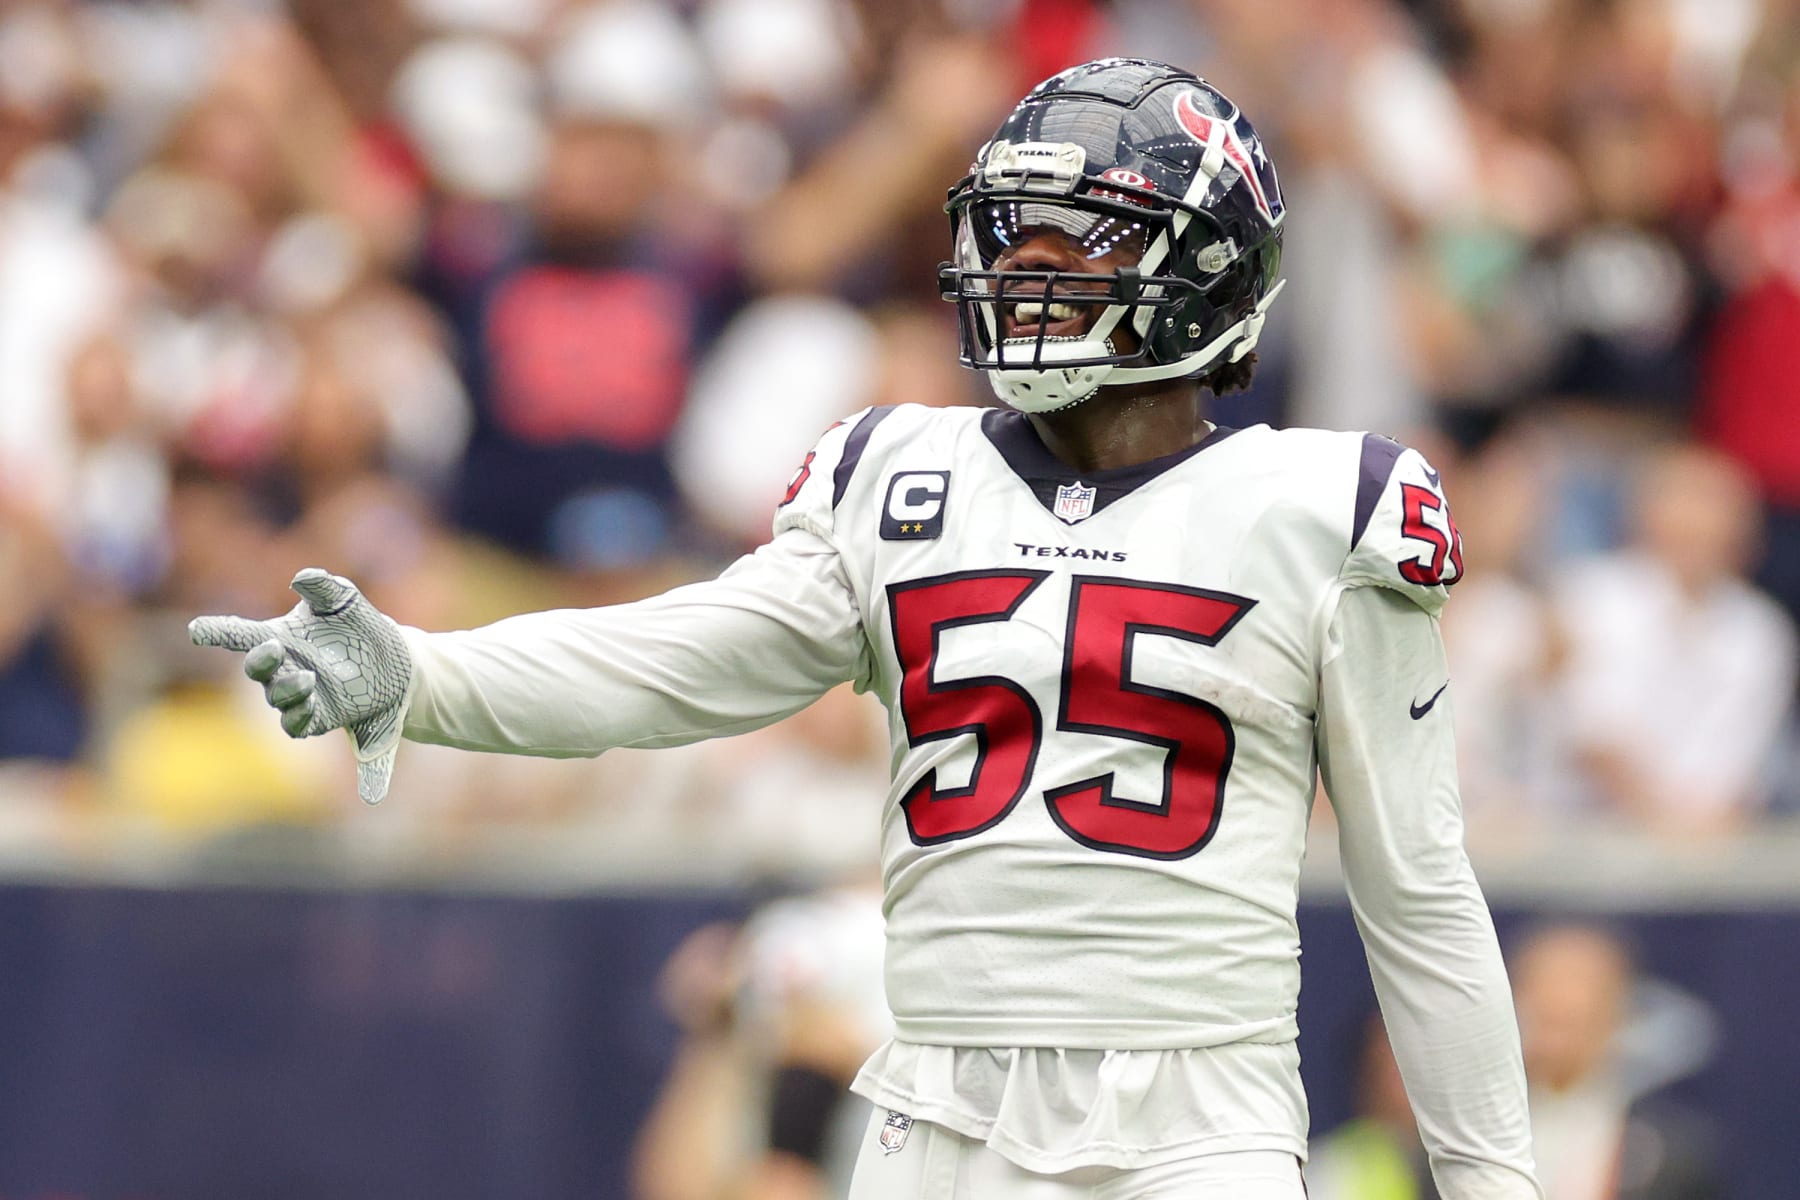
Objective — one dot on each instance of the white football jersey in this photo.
(1102, 691)
(1109, 695)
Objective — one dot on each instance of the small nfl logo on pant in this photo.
(893, 1134)
(1074, 502)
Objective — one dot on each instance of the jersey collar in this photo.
(1043, 472)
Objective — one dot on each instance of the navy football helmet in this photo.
(1149, 173)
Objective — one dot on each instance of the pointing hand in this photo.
(333, 662)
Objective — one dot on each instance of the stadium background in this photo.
(496, 304)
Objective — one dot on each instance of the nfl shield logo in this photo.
(1074, 502)
(893, 1134)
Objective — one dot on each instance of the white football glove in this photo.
(334, 662)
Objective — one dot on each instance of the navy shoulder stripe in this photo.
(853, 451)
(1379, 454)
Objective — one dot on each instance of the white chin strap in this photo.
(1053, 388)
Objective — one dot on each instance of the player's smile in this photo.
(1026, 319)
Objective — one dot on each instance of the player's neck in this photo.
(1123, 427)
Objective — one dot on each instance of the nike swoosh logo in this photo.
(1419, 710)
(1437, 481)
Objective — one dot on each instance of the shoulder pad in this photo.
(819, 483)
(1402, 535)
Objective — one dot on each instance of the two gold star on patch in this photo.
(917, 527)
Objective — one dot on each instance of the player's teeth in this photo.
(1028, 313)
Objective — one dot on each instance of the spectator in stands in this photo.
(801, 798)
(187, 757)
(1376, 1155)
(1752, 396)
(941, 91)
(777, 1019)
(1622, 287)
(42, 714)
(580, 351)
(230, 235)
(1679, 673)
(1594, 1135)
(786, 78)
(1752, 368)
(57, 274)
(1501, 641)
(790, 365)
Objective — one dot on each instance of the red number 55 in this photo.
(1098, 696)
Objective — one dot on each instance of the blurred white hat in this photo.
(470, 106)
(629, 60)
(797, 51)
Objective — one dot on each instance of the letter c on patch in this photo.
(916, 497)
(915, 505)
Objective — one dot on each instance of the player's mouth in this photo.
(1032, 318)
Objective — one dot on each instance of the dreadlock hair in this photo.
(1230, 377)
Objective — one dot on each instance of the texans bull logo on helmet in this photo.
(1238, 146)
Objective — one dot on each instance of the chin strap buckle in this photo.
(1253, 324)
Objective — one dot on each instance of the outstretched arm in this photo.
(765, 639)
(775, 632)
(1388, 758)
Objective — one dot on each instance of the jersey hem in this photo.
(1011, 1032)
(1115, 1155)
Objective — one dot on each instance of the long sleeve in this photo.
(1390, 771)
(769, 636)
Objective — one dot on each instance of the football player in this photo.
(1116, 642)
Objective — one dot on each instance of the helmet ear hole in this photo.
(1226, 297)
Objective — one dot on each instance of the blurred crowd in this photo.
(497, 304)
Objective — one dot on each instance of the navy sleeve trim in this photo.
(1379, 454)
(853, 451)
